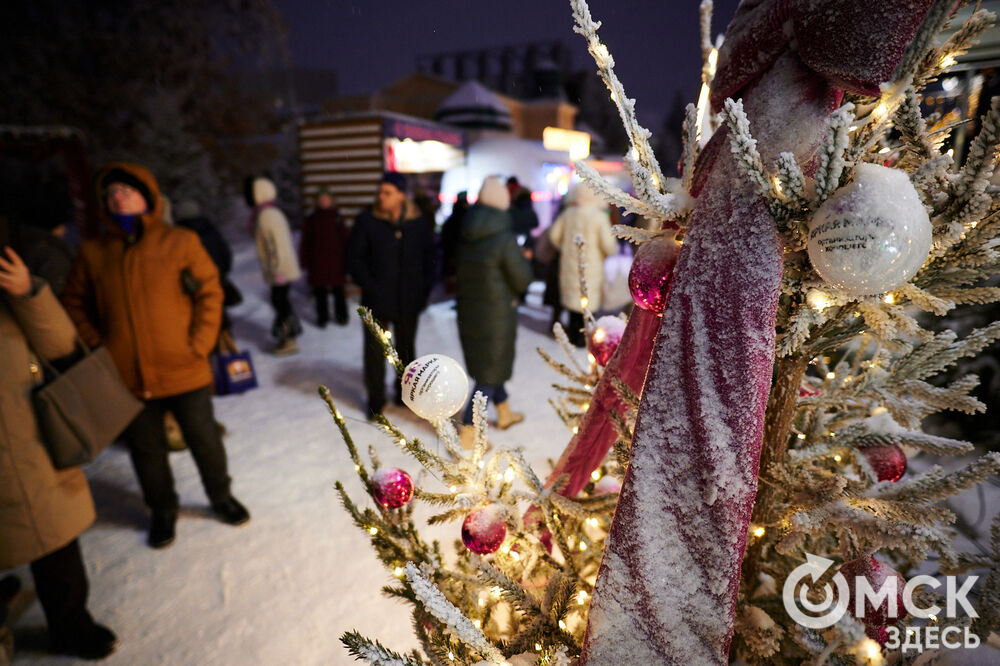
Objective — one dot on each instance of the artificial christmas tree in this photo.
(760, 420)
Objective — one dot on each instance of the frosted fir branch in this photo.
(691, 146)
(957, 45)
(650, 188)
(869, 531)
(921, 47)
(932, 174)
(374, 652)
(903, 511)
(791, 180)
(581, 268)
(744, 148)
(611, 193)
(449, 615)
(449, 437)
(913, 128)
(635, 235)
(383, 337)
(480, 425)
(934, 486)
(831, 152)
(971, 296)
(625, 393)
(941, 446)
(705, 30)
(345, 434)
(585, 377)
(981, 160)
(926, 399)
(761, 634)
(637, 134)
(413, 446)
(941, 352)
(796, 330)
(925, 300)
(575, 375)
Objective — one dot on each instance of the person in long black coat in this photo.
(391, 257)
(492, 275)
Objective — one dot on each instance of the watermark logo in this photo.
(887, 598)
(831, 608)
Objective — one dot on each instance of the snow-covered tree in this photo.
(760, 406)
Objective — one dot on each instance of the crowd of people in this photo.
(153, 291)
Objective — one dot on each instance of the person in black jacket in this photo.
(391, 257)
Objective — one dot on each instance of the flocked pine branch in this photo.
(648, 178)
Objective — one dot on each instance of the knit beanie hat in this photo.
(122, 176)
(494, 193)
(395, 179)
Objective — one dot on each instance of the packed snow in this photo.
(283, 588)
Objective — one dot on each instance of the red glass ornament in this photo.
(604, 339)
(876, 573)
(650, 276)
(483, 530)
(888, 461)
(392, 487)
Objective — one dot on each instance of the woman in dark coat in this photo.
(322, 252)
(492, 275)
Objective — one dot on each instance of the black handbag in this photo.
(82, 410)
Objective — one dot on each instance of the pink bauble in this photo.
(875, 619)
(650, 276)
(888, 461)
(391, 487)
(604, 339)
(483, 530)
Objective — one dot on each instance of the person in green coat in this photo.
(492, 274)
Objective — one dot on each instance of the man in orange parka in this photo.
(151, 294)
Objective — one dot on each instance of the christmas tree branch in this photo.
(446, 612)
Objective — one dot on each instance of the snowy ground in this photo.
(283, 588)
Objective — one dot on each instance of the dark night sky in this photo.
(654, 42)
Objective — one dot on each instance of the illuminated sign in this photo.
(409, 156)
(577, 144)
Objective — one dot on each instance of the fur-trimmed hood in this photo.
(143, 175)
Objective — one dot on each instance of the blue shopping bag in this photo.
(233, 369)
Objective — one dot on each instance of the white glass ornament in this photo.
(872, 235)
(435, 386)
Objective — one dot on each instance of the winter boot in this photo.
(506, 417)
(467, 436)
(286, 347)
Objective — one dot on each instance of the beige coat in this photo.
(275, 250)
(587, 216)
(41, 509)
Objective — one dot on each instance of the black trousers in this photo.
(322, 296)
(61, 585)
(147, 441)
(286, 324)
(404, 335)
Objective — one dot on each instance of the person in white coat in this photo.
(585, 215)
(278, 260)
